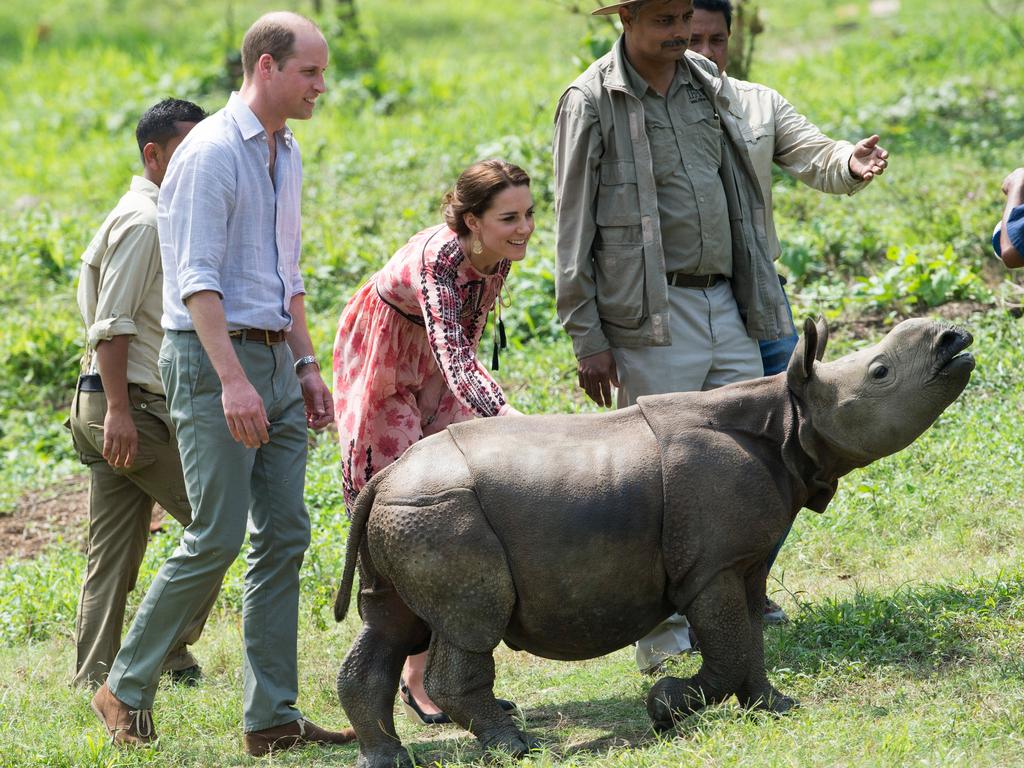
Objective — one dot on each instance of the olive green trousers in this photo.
(232, 489)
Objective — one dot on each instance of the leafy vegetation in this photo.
(906, 594)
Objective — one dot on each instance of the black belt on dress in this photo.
(685, 280)
(411, 318)
(258, 334)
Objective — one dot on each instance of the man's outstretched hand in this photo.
(868, 159)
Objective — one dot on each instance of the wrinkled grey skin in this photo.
(570, 536)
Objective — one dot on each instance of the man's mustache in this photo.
(674, 44)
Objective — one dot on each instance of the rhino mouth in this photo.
(951, 355)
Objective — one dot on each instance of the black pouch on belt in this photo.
(90, 382)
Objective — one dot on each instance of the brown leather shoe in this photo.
(297, 733)
(126, 726)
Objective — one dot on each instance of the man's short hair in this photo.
(723, 7)
(159, 123)
(270, 34)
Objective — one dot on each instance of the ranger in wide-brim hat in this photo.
(604, 10)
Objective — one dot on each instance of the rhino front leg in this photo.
(461, 682)
(720, 619)
(756, 692)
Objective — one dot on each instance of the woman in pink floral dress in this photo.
(405, 355)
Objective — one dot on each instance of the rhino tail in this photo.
(357, 527)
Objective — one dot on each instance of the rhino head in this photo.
(878, 400)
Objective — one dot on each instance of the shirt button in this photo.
(143, 406)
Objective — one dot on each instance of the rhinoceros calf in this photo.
(570, 536)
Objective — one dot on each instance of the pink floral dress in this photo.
(405, 355)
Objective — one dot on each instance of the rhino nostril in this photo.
(951, 341)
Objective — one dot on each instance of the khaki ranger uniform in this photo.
(119, 294)
(653, 192)
(611, 265)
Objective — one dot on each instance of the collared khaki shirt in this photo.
(120, 284)
(686, 154)
(776, 134)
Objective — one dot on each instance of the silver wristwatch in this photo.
(305, 360)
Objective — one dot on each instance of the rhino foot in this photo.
(382, 757)
(670, 699)
(514, 745)
(772, 701)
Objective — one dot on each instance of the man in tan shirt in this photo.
(777, 135)
(119, 419)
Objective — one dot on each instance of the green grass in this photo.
(907, 595)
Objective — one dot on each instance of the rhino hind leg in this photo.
(461, 683)
(448, 565)
(450, 568)
(368, 678)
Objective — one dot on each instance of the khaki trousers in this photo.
(120, 507)
(710, 348)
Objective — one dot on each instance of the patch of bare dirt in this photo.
(866, 324)
(61, 509)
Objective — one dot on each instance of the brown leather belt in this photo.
(684, 280)
(259, 335)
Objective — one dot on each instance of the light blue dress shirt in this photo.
(225, 227)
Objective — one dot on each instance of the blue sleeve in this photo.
(1014, 231)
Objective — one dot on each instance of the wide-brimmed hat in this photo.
(604, 10)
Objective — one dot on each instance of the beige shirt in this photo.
(776, 134)
(686, 155)
(120, 284)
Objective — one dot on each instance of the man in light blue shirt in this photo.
(242, 387)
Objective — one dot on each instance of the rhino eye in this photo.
(879, 371)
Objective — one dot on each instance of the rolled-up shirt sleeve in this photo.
(803, 151)
(198, 215)
(298, 284)
(125, 279)
(1014, 231)
(295, 273)
(577, 155)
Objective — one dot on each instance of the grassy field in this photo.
(907, 594)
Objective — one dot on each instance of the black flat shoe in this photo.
(413, 711)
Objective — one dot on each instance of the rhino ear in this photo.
(801, 364)
(822, 328)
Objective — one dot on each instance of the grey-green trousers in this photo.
(120, 509)
(229, 486)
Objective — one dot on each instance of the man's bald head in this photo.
(274, 34)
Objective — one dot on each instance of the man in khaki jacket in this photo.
(119, 421)
(776, 134)
(664, 280)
